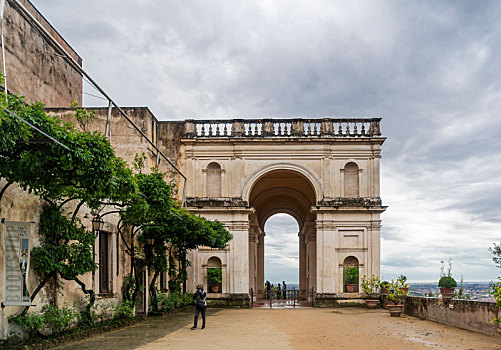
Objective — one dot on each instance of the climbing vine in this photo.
(86, 173)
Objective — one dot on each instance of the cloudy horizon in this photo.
(430, 69)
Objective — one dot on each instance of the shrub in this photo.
(124, 310)
(447, 282)
(59, 319)
(351, 274)
(496, 293)
(370, 286)
(396, 294)
(50, 318)
(385, 284)
(32, 323)
(214, 274)
(172, 301)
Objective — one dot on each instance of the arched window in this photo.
(351, 274)
(351, 189)
(213, 180)
(214, 275)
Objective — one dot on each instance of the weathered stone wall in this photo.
(470, 315)
(128, 142)
(19, 205)
(33, 67)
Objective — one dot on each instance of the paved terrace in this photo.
(305, 328)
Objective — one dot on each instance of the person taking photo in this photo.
(200, 305)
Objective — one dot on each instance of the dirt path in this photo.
(347, 328)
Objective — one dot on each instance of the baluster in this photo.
(348, 132)
(340, 130)
(362, 132)
(225, 129)
(355, 131)
(279, 129)
(253, 128)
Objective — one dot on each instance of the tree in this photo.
(88, 174)
(154, 216)
(496, 254)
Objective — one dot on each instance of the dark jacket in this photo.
(200, 298)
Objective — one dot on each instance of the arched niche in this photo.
(213, 180)
(351, 262)
(214, 268)
(351, 180)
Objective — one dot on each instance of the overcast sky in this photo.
(430, 69)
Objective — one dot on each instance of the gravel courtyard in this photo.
(306, 328)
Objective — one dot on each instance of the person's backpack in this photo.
(200, 303)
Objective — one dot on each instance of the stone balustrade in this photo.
(280, 128)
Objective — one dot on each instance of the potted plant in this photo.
(496, 293)
(371, 286)
(215, 275)
(385, 287)
(447, 284)
(396, 295)
(351, 278)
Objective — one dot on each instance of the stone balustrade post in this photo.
(297, 127)
(267, 128)
(190, 129)
(374, 129)
(237, 128)
(326, 127)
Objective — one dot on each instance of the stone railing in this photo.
(255, 128)
(472, 315)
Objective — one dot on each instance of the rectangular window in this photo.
(104, 263)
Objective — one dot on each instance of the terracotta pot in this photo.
(395, 310)
(350, 288)
(215, 289)
(371, 303)
(447, 293)
(499, 331)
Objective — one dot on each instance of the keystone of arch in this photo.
(309, 174)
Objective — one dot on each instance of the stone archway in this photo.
(282, 191)
(293, 166)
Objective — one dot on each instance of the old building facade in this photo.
(323, 172)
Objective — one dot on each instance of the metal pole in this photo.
(4, 72)
(271, 296)
(37, 129)
(107, 131)
(294, 296)
(252, 297)
(312, 297)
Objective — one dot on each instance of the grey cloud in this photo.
(429, 68)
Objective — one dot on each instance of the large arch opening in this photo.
(282, 192)
(281, 250)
